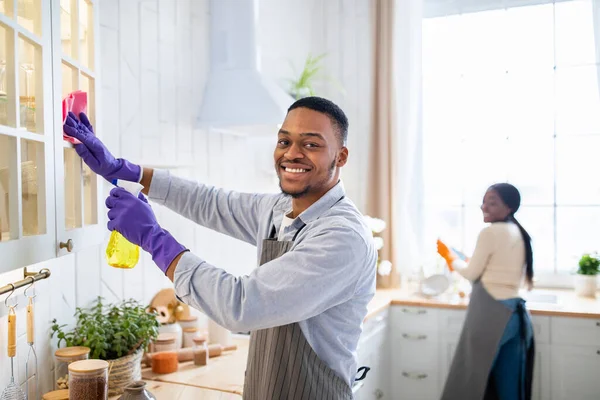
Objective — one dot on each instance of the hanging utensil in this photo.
(12, 391)
(31, 363)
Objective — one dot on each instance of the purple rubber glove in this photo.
(95, 154)
(133, 218)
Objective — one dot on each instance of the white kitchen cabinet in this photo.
(44, 189)
(415, 337)
(373, 353)
(575, 372)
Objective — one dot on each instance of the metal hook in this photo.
(29, 287)
(10, 294)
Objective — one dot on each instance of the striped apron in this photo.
(281, 363)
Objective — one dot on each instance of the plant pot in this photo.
(123, 371)
(137, 391)
(586, 285)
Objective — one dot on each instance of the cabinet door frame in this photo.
(84, 236)
(26, 250)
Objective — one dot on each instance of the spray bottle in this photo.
(121, 253)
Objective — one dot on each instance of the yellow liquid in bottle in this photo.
(121, 253)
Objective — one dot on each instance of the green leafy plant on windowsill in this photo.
(312, 72)
(110, 331)
(589, 265)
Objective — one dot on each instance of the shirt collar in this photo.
(311, 213)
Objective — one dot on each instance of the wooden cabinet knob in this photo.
(68, 245)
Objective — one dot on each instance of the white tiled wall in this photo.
(154, 56)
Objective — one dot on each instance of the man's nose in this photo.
(293, 152)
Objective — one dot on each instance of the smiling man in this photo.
(306, 301)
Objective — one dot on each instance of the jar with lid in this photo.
(188, 336)
(165, 342)
(191, 321)
(88, 380)
(175, 330)
(200, 351)
(63, 357)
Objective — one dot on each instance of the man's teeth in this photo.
(295, 170)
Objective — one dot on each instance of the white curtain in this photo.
(408, 226)
(596, 19)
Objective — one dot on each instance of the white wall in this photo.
(154, 66)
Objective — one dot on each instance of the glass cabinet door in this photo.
(27, 206)
(78, 188)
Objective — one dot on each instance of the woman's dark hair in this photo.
(512, 198)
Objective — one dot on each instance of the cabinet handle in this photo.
(378, 394)
(414, 375)
(598, 352)
(414, 337)
(68, 245)
(409, 311)
(597, 323)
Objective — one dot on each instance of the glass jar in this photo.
(200, 351)
(188, 336)
(63, 357)
(165, 342)
(88, 380)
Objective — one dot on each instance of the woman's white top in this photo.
(498, 259)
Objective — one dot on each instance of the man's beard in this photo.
(307, 189)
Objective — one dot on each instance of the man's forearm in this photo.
(171, 270)
(147, 180)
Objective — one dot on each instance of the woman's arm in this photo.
(481, 256)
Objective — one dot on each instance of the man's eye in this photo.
(282, 142)
(311, 145)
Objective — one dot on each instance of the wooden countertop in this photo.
(170, 391)
(225, 374)
(567, 304)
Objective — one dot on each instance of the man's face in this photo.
(308, 153)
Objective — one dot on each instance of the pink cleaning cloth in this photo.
(76, 102)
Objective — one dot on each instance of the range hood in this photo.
(236, 94)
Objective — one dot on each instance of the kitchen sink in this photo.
(546, 298)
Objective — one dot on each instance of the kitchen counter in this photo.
(170, 391)
(226, 373)
(560, 303)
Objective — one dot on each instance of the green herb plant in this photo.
(303, 85)
(589, 265)
(110, 331)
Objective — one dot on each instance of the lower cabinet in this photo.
(423, 342)
(373, 352)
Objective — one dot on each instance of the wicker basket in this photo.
(123, 371)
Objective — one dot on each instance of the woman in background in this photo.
(494, 357)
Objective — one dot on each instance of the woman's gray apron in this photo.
(469, 376)
(281, 363)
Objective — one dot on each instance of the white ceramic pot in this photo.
(218, 334)
(586, 285)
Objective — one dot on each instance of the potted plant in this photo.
(118, 333)
(303, 85)
(586, 277)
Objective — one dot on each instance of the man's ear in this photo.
(342, 157)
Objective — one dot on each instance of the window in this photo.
(514, 95)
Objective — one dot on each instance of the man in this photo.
(306, 301)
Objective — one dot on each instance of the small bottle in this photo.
(200, 351)
(121, 253)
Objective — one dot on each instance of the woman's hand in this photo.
(448, 255)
